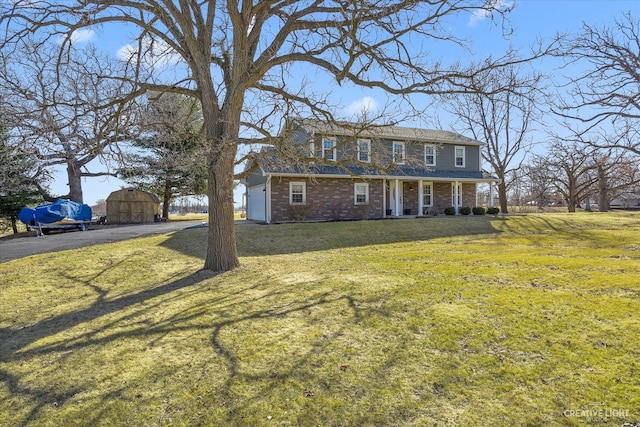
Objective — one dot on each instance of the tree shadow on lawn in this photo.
(220, 313)
(541, 230)
(278, 239)
(16, 342)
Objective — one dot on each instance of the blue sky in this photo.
(530, 20)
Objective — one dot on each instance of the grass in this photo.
(440, 321)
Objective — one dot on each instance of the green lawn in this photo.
(467, 321)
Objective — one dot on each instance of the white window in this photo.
(312, 149)
(453, 195)
(427, 194)
(398, 153)
(430, 155)
(361, 193)
(297, 193)
(460, 157)
(328, 149)
(364, 150)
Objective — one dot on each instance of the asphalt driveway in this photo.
(14, 248)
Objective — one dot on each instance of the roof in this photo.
(132, 194)
(270, 164)
(312, 126)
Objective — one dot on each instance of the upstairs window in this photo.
(364, 150)
(328, 149)
(430, 155)
(460, 162)
(312, 149)
(398, 153)
(361, 193)
(297, 193)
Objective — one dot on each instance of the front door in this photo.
(395, 194)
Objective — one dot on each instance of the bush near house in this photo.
(429, 211)
(479, 210)
(450, 210)
(465, 210)
(493, 211)
(300, 212)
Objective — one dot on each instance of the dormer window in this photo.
(329, 149)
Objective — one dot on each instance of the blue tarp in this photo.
(54, 212)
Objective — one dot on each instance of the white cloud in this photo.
(156, 53)
(484, 13)
(362, 106)
(78, 36)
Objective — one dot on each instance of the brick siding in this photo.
(330, 199)
(443, 195)
(327, 199)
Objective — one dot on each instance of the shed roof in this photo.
(131, 193)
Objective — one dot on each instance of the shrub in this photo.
(478, 210)
(429, 211)
(465, 210)
(493, 211)
(337, 209)
(364, 211)
(300, 212)
(450, 210)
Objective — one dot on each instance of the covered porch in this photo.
(410, 197)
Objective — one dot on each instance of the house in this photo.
(330, 171)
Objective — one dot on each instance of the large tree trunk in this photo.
(572, 201)
(166, 200)
(14, 224)
(502, 196)
(603, 197)
(221, 249)
(222, 128)
(75, 182)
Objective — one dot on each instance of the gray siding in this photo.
(445, 158)
(382, 153)
(256, 178)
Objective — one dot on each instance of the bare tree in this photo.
(570, 166)
(501, 111)
(578, 172)
(538, 179)
(67, 111)
(604, 101)
(241, 58)
(618, 173)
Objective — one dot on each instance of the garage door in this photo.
(256, 203)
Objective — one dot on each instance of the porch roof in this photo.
(343, 170)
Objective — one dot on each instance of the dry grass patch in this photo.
(441, 321)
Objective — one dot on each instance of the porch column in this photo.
(420, 198)
(396, 197)
(455, 196)
(384, 198)
(267, 200)
(491, 196)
